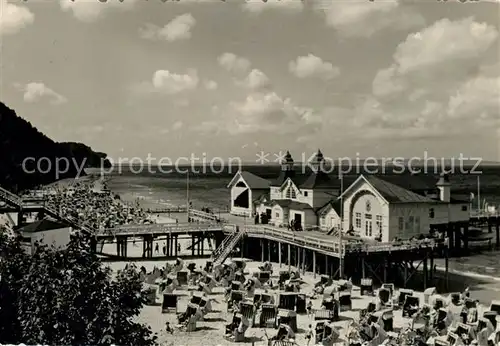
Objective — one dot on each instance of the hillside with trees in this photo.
(19, 140)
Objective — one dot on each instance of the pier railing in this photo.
(333, 246)
(158, 228)
(484, 214)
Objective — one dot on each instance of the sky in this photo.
(381, 78)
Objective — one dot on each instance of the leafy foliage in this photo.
(66, 297)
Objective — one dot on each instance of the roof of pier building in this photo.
(43, 225)
(253, 181)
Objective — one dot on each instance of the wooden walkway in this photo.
(158, 229)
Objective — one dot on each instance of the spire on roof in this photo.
(287, 163)
(317, 161)
(444, 179)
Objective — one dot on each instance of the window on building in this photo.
(277, 214)
(401, 222)
(368, 228)
(431, 213)
(294, 194)
(289, 193)
(379, 222)
(464, 208)
(409, 224)
(305, 193)
(322, 220)
(417, 224)
(358, 220)
(368, 216)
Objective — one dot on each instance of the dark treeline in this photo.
(20, 140)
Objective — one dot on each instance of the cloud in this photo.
(177, 125)
(365, 18)
(89, 11)
(35, 92)
(438, 85)
(313, 66)
(255, 80)
(211, 85)
(258, 6)
(172, 83)
(177, 29)
(269, 112)
(14, 18)
(233, 63)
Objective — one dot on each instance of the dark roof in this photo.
(255, 182)
(259, 195)
(43, 225)
(284, 175)
(319, 180)
(413, 182)
(394, 193)
(286, 203)
(335, 204)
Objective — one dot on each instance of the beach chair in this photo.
(402, 296)
(453, 339)
(495, 306)
(428, 293)
(384, 318)
(330, 334)
(465, 329)
(247, 310)
(385, 297)
(196, 298)
(287, 300)
(238, 276)
(284, 276)
(268, 314)
(182, 277)
(441, 342)
(319, 330)
(345, 301)
(169, 303)
(206, 303)
(235, 298)
(288, 317)
(240, 263)
(151, 295)
(325, 314)
(410, 306)
(455, 298)
(283, 343)
(262, 276)
(390, 287)
(236, 286)
(366, 288)
(492, 317)
(300, 304)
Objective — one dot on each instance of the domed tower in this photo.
(317, 161)
(287, 163)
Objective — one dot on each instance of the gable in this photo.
(251, 180)
(361, 184)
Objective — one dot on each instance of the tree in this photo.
(67, 297)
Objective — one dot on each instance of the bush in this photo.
(67, 297)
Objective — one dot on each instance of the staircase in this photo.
(9, 197)
(12, 198)
(224, 250)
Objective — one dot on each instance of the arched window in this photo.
(289, 192)
(294, 194)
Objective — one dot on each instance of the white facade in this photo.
(329, 219)
(238, 188)
(366, 211)
(369, 214)
(59, 238)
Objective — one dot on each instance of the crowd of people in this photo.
(95, 208)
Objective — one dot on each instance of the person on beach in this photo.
(309, 308)
(168, 328)
(157, 248)
(309, 334)
(178, 248)
(164, 248)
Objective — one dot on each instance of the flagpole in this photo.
(341, 271)
(187, 192)
(478, 194)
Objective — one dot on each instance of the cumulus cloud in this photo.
(13, 18)
(177, 125)
(174, 83)
(211, 85)
(35, 92)
(89, 11)
(313, 66)
(364, 18)
(258, 6)
(233, 63)
(177, 29)
(255, 80)
(270, 112)
(439, 83)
